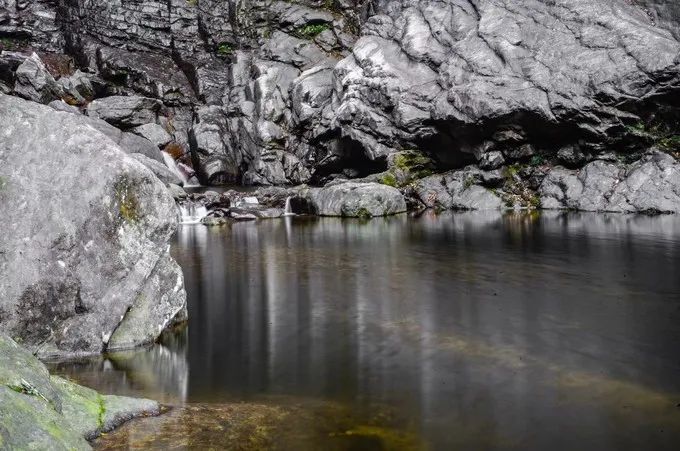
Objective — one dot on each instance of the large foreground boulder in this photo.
(40, 411)
(84, 243)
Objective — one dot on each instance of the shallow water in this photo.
(451, 331)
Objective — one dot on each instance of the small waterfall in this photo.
(288, 211)
(191, 213)
(172, 165)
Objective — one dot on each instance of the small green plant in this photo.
(469, 181)
(670, 143)
(310, 31)
(509, 172)
(388, 179)
(3, 183)
(414, 163)
(27, 388)
(537, 160)
(225, 49)
(535, 202)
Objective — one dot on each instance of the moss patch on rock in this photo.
(39, 411)
(310, 31)
(406, 167)
(126, 200)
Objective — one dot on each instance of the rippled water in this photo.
(458, 331)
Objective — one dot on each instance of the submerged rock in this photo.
(40, 411)
(85, 237)
(351, 199)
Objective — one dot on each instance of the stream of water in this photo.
(451, 331)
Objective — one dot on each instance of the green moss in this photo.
(671, 143)
(3, 183)
(310, 31)
(412, 160)
(535, 201)
(388, 179)
(537, 160)
(469, 181)
(225, 49)
(660, 134)
(28, 424)
(414, 164)
(101, 414)
(363, 213)
(509, 172)
(128, 205)
(381, 438)
(12, 44)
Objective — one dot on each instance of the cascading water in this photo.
(191, 213)
(288, 211)
(172, 165)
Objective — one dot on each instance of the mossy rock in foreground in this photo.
(39, 411)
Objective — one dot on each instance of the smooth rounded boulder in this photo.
(355, 200)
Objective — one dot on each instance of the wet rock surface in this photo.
(40, 411)
(84, 255)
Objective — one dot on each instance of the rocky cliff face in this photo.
(84, 251)
(278, 92)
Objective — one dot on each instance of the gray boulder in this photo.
(354, 200)
(125, 111)
(34, 82)
(460, 190)
(651, 184)
(85, 239)
(129, 142)
(159, 169)
(40, 411)
(154, 133)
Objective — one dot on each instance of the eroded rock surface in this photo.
(84, 247)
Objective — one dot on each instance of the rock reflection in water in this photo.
(160, 372)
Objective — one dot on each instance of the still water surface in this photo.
(451, 331)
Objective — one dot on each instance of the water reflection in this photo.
(160, 372)
(484, 331)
